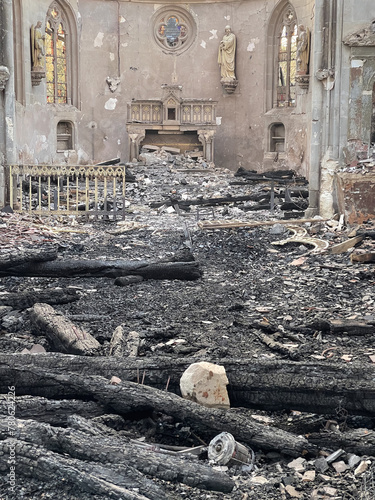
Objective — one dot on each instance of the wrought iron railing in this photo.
(91, 190)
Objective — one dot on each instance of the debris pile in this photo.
(284, 305)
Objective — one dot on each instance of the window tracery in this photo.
(287, 59)
(56, 56)
(174, 29)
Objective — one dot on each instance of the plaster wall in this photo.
(116, 40)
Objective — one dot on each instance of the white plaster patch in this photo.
(218, 120)
(98, 42)
(357, 63)
(122, 19)
(110, 104)
(203, 44)
(112, 56)
(10, 128)
(252, 44)
(82, 156)
(227, 18)
(214, 34)
(125, 44)
(119, 141)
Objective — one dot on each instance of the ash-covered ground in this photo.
(246, 280)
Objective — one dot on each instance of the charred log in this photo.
(97, 447)
(109, 269)
(127, 398)
(62, 333)
(114, 482)
(52, 411)
(317, 387)
(359, 441)
(27, 256)
(24, 300)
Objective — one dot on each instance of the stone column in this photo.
(206, 137)
(7, 97)
(136, 136)
(325, 115)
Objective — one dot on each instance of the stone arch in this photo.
(272, 51)
(72, 50)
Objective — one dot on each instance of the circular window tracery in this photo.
(174, 29)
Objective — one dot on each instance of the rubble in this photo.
(256, 303)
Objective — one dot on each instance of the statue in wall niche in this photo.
(227, 54)
(37, 47)
(303, 50)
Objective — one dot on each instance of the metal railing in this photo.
(92, 190)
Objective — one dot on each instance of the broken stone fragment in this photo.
(362, 467)
(206, 384)
(340, 466)
(298, 464)
(292, 492)
(309, 476)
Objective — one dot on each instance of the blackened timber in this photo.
(183, 204)
(95, 446)
(360, 441)
(52, 296)
(27, 256)
(108, 268)
(315, 387)
(127, 398)
(52, 411)
(109, 482)
(63, 334)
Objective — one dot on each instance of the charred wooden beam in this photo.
(92, 446)
(111, 482)
(26, 256)
(64, 335)
(359, 441)
(317, 387)
(52, 296)
(108, 269)
(129, 398)
(52, 411)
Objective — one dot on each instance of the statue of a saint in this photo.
(303, 50)
(227, 55)
(37, 47)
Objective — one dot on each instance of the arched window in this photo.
(61, 55)
(287, 59)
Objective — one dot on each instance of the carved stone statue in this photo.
(37, 47)
(303, 50)
(227, 54)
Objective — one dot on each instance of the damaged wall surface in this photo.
(301, 96)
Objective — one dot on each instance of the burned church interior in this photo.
(187, 226)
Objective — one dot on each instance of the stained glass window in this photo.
(286, 62)
(172, 31)
(56, 58)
